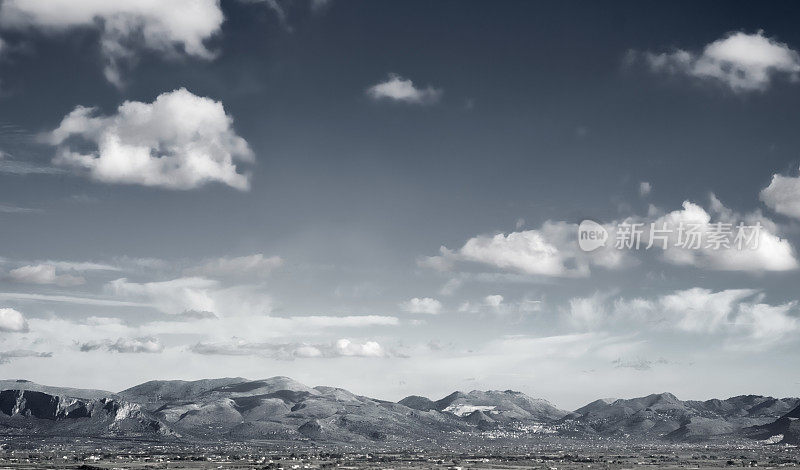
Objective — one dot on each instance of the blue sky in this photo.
(385, 196)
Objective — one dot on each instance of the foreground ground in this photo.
(104, 454)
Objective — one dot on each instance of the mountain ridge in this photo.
(280, 408)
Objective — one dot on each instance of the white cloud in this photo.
(551, 250)
(701, 310)
(12, 320)
(7, 356)
(496, 304)
(741, 61)
(293, 350)
(772, 252)
(82, 266)
(172, 28)
(68, 299)
(397, 88)
(11, 209)
(422, 305)
(179, 141)
(345, 347)
(148, 345)
(493, 301)
(740, 314)
(252, 265)
(645, 188)
(451, 286)
(766, 324)
(44, 274)
(587, 312)
(783, 195)
(171, 297)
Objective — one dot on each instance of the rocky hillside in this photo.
(784, 430)
(25, 409)
(280, 408)
(665, 416)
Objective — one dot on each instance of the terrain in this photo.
(281, 410)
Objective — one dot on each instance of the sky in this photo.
(386, 196)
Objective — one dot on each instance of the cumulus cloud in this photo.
(740, 314)
(741, 61)
(179, 141)
(8, 356)
(399, 89)
(12, 320)
(551, 250)
(783, 195)
(422, 305)
(252, 265)
(287, 351)
(44, 274)
(768, 252)
(148, 345)
(173, 29)
(645, 188)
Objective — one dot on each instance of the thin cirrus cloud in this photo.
(179, 141)
(8, 356)
(402, 90)
(11, 209)
(173, 29)
(783, 195)
(44, 274)
(256, 264)
(742, 62)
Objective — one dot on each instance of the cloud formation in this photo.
(743, 62)
(551, 250)
(171, 297)
(252, 265)
(740, 314)
(173, 29)
(179, 141)
(769, 252)
(422, 305)
(44, 274)
(783, 195)
(288, 351)
(496, 304)
(399, 89)
(147, 344)
(8, 356)
(12, 320)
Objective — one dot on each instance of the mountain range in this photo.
(281, 409)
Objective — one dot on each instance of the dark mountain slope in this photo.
(54, 413)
